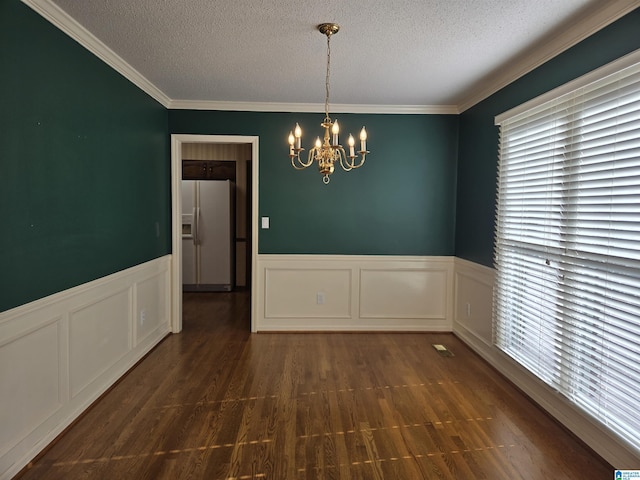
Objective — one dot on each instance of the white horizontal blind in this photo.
(567, 297)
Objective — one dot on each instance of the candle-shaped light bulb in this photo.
(298, 134)
(352, 142)
(291, 141)
(363, 139)
(318, 142)
(335, 130)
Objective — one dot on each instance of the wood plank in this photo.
(219, 402)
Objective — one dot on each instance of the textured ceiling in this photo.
(401, 52)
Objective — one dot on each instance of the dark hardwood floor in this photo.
(216, 402)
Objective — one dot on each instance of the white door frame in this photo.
(176, 218)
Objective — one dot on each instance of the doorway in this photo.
(195, 143)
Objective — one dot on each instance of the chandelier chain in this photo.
(326, 83)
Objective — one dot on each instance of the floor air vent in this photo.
(442, 350)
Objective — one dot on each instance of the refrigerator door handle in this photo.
(196, 214)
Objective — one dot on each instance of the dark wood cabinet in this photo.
(208, 170)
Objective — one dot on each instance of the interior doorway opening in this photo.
(216, 157)
(204, 164)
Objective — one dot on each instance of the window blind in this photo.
(567, 250)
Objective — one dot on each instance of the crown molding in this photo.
(58, 17)
(581, 28)
(312, 107)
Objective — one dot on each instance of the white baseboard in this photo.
(60, 353)
(354, 293)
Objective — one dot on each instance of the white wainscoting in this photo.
(473, 293)
(58, 354)
(473, 324)
(354, 293)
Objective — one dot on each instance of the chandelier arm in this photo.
(349, 162)
(298, 164)
(313, 156)
(352, 164)
(344, 162)
(302, 167)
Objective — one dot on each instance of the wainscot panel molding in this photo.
(354, 293)
(474, 325)
(473, 293)
(60, 353)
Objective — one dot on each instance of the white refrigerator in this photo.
(207, 235)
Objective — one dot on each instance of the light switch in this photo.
(265, 222)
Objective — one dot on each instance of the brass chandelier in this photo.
(328, 152)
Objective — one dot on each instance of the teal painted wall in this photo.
(84, 164)
(478, 152)
(401, 202)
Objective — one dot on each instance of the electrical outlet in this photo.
(320, 298)
(143, 316)
(468, 309)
